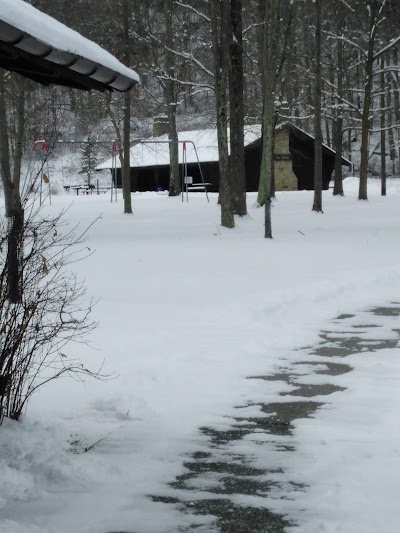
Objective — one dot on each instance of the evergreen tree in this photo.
(89, 160)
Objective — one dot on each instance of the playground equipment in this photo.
(43, 146)
(186, 181)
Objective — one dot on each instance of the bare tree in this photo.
(376, 18)
(170, 98)
(126, 163)
(383, 126)
(236, 104)
(11, 187)
(317, 205)
(219, 15)
(272, 60)
(50, 313)
(374, 12)
(338, 125)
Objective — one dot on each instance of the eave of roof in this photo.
(325, 147)
(41, 48)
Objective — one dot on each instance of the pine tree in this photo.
(89, 160)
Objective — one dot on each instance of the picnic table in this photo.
(86, 189)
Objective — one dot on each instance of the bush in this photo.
(51, 313)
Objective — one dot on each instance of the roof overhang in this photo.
(44, 50)
(309, 138)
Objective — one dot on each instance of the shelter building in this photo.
(294, 160)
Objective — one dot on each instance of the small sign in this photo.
(189, 180)
(282, 157)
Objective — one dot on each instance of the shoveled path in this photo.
(225, 482)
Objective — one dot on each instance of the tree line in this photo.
(331, 68)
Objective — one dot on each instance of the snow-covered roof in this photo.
(155, 150)
(39, 47)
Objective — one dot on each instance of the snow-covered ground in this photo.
(187, 310)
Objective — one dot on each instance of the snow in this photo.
(187, 311)
(46, 29)
(202, 145)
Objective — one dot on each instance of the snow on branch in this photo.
(340, 98)
(249, 28)
(347, 5)
(387, 48)
(345, 40)
(185, 55)
(194, 10)
(165, 77)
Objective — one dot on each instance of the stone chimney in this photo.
(160, 125)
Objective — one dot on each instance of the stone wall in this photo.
(160, 125)
(285, 178)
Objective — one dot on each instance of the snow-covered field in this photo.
(187, 310)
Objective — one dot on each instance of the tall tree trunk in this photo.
(365, 127)
(383, 126)
(219, 14)
(271, 26)
(305, 28)
(126, 163)
(365, 122)
(170, 97)
(317, 205)
(13, 206)
(237, 159)
(389, 120)
(20, 131)
(338, 127)
(396, 99)
(261, 13)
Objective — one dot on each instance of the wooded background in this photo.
(185, 52)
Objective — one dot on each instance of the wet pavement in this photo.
(225, 482)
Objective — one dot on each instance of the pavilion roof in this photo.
(40, 48)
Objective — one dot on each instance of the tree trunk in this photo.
(170, 97)
(383, 132)
(269, 63)
(219, 13)
(389, 120)
(317, 205)
(20, 131)
(237, 159)
(174, 178)
(126, 163)
(365, 127)
(13, 207)
(338, 127)
(365, 122)
(396, 100)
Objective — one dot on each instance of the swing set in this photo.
(187, 184)
(186, 180)
(44, 176)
